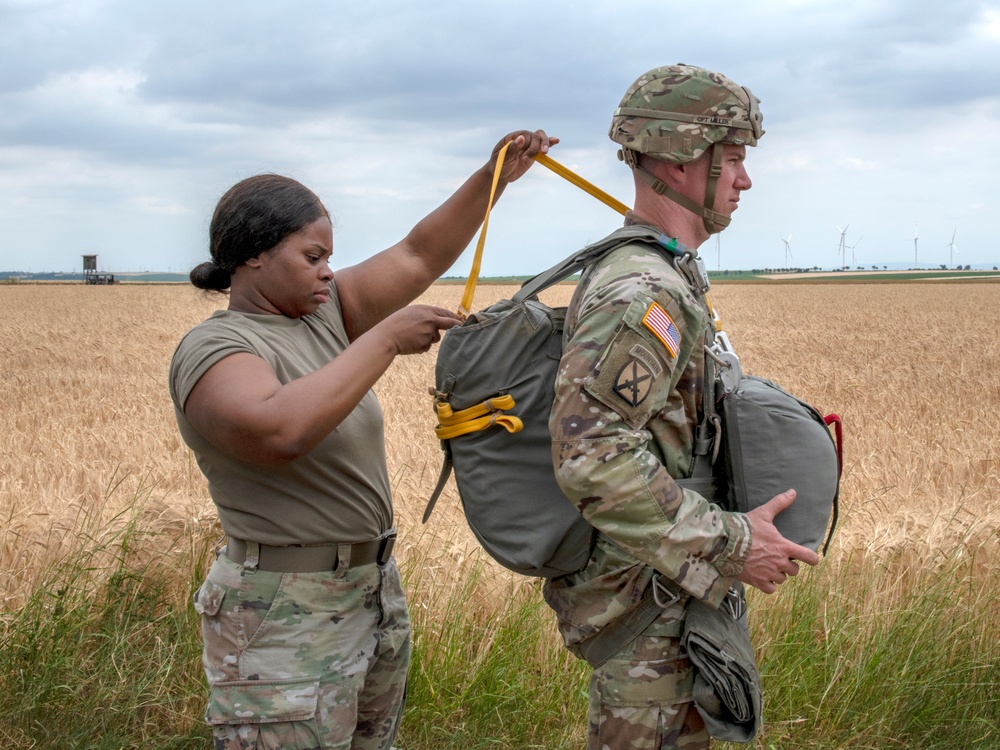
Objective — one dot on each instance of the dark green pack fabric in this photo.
(506, 480)
(727, 691)
(773, 442)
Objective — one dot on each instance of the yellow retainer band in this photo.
(479, 417)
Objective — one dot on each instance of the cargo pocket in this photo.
(283, 710)
(208, 599)
(635, 703)
(647, 683)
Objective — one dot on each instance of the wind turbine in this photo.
(718, 251)
(915, 245)
(842, 247)
(854, 262)
(788, 248)
(952, 248)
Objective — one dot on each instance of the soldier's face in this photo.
(732, 182)
(734, 179)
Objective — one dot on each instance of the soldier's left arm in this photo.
(625, 408)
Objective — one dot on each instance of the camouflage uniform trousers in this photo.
(304, 660)
(642, 698)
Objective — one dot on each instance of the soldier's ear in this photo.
(668, 171)
(688, 178)
(678, 169)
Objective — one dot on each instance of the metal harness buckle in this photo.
(692, 267)
(730, 369)
(735, 603)
(661, 590)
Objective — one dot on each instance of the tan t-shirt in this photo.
(339, 492)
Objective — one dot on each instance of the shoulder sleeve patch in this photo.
(635, 365)
(663, 327)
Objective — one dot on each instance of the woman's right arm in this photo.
(241, 407)
(385, 282)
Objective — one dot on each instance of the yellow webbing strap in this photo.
(470, 285)
(716, 320)
(566, 174)
(475, 418)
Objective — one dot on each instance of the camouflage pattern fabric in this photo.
(642, 699)
(304, 660)
(685, 110)
(627, 402)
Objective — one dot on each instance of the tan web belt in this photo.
(311, 558)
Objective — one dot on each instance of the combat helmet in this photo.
(678, 112)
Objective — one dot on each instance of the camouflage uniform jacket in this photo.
(627, 402)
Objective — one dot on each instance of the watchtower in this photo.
(91, 274)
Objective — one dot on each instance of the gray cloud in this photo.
(152, 109)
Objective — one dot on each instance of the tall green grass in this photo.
(102, 654)
(489, 670)
(893, 650)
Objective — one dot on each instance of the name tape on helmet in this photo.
(653, 114)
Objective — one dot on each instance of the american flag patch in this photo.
(662, 325)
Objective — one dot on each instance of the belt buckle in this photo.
(385, 548)
(660, 590)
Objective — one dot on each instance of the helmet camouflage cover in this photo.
(676, 112)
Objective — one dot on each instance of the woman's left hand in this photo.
(521, 154)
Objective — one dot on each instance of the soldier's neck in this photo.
(670, 218)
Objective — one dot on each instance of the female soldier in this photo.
(306, 633)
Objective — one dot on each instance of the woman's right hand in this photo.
(416, 328)
(524, 145)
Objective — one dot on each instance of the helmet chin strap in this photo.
(714, 221)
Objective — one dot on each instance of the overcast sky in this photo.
(123, 121)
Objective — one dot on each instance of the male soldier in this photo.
(627, 405)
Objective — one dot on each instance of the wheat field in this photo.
(86, 424)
